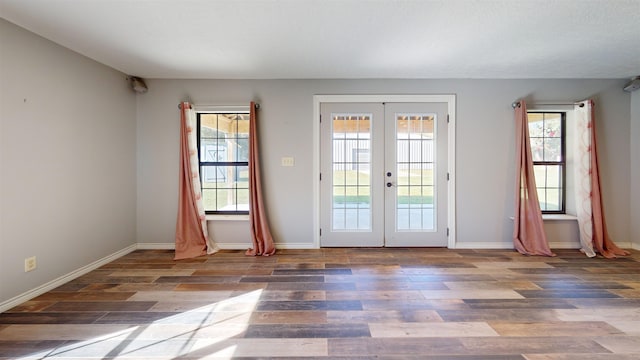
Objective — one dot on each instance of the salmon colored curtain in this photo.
(594, 236)
(191, 226)
(529, 237)
(260, 232)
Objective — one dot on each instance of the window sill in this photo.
(227, 217)
(555, 217)
(559, 217)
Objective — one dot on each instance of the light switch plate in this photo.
(287, 161)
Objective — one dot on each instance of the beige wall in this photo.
(635, 169)
(67, 161)
(484, 150)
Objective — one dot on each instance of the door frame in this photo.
(450, 99)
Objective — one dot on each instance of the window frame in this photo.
(236, 164)
(562, 163)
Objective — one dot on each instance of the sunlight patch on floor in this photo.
(205, 331)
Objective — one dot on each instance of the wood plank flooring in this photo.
(338, 304)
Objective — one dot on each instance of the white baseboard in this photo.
(564, 245)
(552, 245)
(625, 244)
(577, 245)
(172, 246)
(233, 246)
(156, 246)
(226, 246)
(236, 246)
(17, 300)
(296, 246)
(484, 245)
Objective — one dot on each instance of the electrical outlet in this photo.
(30, 264)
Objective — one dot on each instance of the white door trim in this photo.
(450, 99)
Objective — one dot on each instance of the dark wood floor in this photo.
(337, 303)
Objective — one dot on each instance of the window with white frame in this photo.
(547, 133)
(223, 144)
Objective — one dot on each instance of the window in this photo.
(547, 136)
(223, 143)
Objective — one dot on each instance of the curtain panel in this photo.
(192, 238)
(260, 232)
(594, 237)
(529, 237)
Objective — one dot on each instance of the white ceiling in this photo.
(292, 39)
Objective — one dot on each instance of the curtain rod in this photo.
(206, 105)
(516, 104)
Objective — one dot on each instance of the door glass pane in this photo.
(351, 159)
(415, 159)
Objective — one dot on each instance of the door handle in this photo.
(389, 184)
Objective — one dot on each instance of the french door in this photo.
(383, 174)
